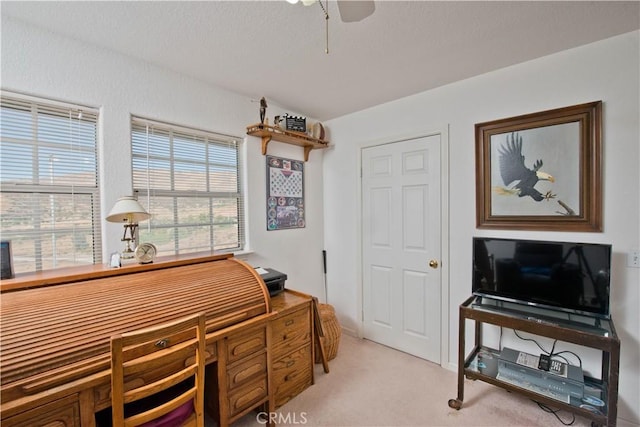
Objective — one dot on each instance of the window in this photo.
(49, 197)
(189, 181)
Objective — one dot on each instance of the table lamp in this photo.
(127, 210)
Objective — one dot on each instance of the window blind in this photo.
(189, 181)
(49, 198)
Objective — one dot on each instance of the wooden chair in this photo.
(157, 375)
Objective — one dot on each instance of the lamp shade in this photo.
(127, 209)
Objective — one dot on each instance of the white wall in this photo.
(607, 71)
(45, 64)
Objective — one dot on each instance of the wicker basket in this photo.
(332, 332)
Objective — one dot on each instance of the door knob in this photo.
(433, 263)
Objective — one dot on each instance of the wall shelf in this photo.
(268, 133)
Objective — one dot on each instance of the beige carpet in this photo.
(373, 385)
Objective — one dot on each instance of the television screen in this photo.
(568, 276)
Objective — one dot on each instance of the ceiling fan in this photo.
(355, 10)
(350, 10)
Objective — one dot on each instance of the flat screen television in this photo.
(565, 276)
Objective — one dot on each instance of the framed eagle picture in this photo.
(541, 171)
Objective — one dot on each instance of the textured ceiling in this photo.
(277, 50)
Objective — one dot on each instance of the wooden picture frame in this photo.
(541, 171)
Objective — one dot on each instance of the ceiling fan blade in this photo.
(355, 10)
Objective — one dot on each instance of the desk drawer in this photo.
(248, 396)
(239, 346)
(291, 331)
(246, 370)
(60, 413)
(292, 374)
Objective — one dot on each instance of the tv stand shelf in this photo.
(585, 331)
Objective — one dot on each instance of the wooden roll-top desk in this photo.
(56, 328)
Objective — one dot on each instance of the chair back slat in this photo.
(163, 364)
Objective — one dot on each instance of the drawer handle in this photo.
(253, 343)
(290, 363)
(248, 372)
(289, 377)
(163, 343)
(288, 322)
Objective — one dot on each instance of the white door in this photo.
(400, 237)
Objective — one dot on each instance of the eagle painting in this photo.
(513, 170)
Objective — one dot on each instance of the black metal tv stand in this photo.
(584, 330)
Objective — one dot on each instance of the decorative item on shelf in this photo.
(278, 122)
(127, 210)
(317, 130)
(263, 109)
(145, 253)
(295, 123)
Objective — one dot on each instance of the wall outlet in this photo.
(633, 259)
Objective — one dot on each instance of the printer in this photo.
(273, 279)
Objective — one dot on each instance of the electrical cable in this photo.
(534, 341)
(563, 358)
(545, 408)
(552, 352)
(573, 354)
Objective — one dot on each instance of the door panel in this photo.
(381, 296)
(413, 306)
(413, 214)
(381, 217)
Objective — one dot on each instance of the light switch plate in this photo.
(633, 259)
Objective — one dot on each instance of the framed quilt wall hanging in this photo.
(285, 194)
